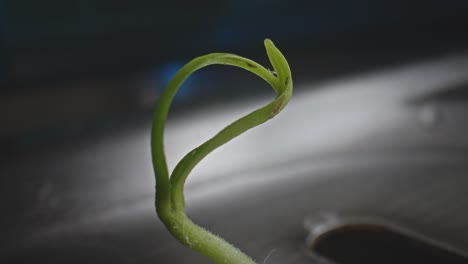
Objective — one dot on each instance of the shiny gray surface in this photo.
(354, 147)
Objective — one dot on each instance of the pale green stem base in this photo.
(205, 242)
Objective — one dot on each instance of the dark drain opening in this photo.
(367, 244)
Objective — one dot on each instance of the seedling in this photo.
(170, 202)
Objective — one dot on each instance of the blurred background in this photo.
(380, 86)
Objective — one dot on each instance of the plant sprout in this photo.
(170, 201)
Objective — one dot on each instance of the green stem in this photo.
(205, 242)
(170, 203)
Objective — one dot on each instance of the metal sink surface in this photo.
(377, 146)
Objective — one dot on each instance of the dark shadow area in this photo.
(367, 244)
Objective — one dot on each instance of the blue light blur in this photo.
(165, 74)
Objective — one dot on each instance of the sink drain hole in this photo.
(373, 244)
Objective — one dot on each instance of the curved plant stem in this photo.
(170, 203)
